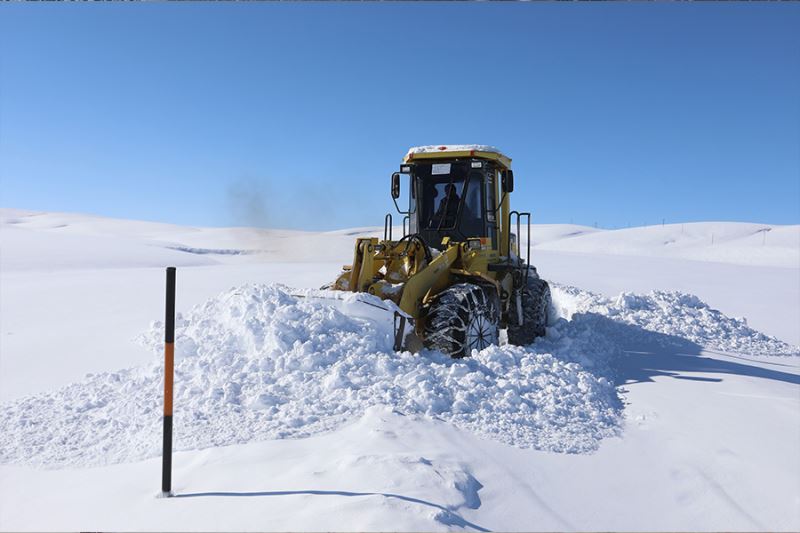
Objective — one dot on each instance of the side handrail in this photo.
(519, 216)
(406, 220)
(387, 227)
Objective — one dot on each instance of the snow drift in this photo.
(256, 363)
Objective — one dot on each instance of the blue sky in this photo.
(295, 115)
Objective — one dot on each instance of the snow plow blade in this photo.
(384, 315)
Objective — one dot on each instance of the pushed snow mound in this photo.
(675, 315)
(256, 363)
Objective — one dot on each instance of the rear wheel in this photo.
(535, 304)
(462, 318)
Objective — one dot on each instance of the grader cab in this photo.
(457, 272)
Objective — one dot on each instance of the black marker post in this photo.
(169, 371)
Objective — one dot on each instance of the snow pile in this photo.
(677, 316)
(256, 363)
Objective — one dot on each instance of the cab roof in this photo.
(448, 151)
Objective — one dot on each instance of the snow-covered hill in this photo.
(106, 242)
(723, 242)
(649, 405)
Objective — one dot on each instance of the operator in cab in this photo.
(445, 216)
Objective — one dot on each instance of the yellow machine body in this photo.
(398, 270)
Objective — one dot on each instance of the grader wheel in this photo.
(535, 310)
(462, 318)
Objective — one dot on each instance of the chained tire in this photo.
(462, 318)
(535, 311)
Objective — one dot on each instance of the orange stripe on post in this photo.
(169, 373)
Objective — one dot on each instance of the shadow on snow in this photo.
(649, 354)
(447, 517)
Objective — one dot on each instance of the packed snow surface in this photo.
(257, 363)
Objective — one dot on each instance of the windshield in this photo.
(449, 199)
(442, 192)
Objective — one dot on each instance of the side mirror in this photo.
(396, 185)
(507, 181)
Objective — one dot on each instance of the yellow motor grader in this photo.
(456, 273)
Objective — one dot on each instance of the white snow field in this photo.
(665, 396)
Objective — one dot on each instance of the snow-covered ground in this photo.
(665, 397)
